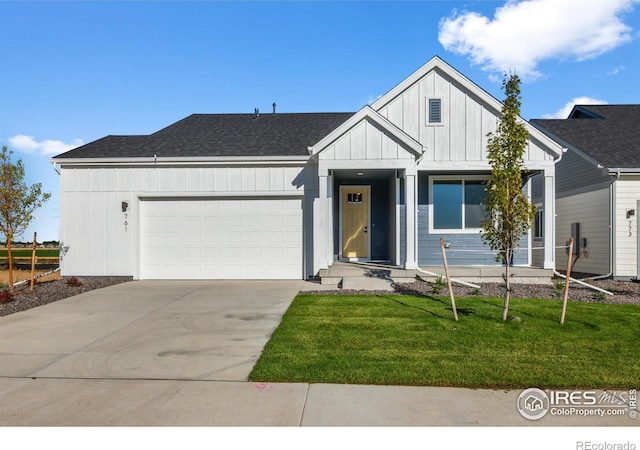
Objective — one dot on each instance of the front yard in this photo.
(413, 340)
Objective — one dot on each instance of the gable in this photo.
(367, 136)
(468, 112)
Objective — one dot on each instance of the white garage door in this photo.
(221, 239)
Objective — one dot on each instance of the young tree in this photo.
(17, 202)
(508, 210)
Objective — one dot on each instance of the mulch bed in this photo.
(51, 291)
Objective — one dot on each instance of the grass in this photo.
(407, 340)
(26, 253)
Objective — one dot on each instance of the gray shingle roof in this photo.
(202, 135)
(611, 136)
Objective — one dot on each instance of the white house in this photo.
(286, 195)
(598, 188)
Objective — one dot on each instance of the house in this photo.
(284, 196)
(598, 188)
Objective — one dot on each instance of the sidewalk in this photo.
(91, 402)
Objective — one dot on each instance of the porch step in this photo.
(365, 276)
(367, 283)
(368, 270)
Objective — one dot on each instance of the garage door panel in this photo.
(218, 239)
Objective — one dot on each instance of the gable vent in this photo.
(435, 110)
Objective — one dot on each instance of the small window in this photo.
(435, 110)
(538, 224)
(354, 198)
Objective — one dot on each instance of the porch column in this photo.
(329, 229)
(320, 232)
(549, 219)
(410, 222)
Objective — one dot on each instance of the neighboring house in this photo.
(285, 195)
(598, 188)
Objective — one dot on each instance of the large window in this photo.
(457, 204)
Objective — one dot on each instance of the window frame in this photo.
(461, 178)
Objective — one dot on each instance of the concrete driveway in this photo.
(168, 330)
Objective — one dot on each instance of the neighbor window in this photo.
(435, 110)
(457, 204)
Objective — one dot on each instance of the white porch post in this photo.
(329, 215)
(549, 218)
(320, 233)
(410, 222)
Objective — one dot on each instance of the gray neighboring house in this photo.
(284, 196)
(598, 188)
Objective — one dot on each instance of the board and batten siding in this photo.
(591, 211)
(466, 121)
(99, 239)
(365, 141)
(627, 195)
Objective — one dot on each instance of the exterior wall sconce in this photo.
(125, 206)
(630, 213)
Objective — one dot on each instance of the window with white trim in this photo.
(457, 203)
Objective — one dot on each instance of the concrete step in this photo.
(367, 283)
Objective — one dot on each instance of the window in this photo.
(435, 110)
(354, 198)
(538, 224)
(457, 204)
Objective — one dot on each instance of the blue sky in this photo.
(76, 71)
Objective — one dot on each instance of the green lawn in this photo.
(406, 340)
(26, 253)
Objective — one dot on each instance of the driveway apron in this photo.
(164, 330)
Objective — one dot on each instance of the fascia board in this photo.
(254, 160)
(367, 113)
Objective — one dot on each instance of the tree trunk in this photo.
(507, 280)
(10, 259)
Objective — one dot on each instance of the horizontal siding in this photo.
(591, 211)
(627, 192)
(465, 250)
(573, 172)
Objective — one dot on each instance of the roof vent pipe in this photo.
(274, 107)
(256, 112)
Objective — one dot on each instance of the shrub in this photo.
(438, 285)
(6, 296)
(74, 281)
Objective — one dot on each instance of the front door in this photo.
(355, 222)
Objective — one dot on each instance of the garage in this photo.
(230, 238)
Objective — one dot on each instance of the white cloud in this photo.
(563, 112)
(28, 144)
(616, 70)
(523, 33)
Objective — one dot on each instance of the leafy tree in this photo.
(17, 201)
(508, 211)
